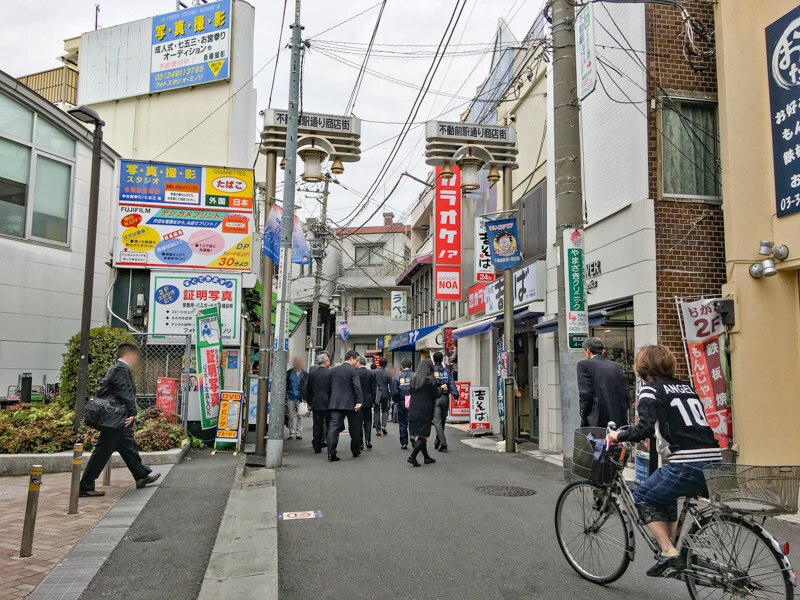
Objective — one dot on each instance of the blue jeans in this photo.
(657, 496)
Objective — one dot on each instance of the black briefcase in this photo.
(102, 413)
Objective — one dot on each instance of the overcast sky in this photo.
(35, 30)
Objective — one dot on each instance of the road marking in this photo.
(293, 516)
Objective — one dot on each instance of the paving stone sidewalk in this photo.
(56, 532)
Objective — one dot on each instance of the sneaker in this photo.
(667, 566)
(91, 494)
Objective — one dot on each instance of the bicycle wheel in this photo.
(728, 556)
(592, 533)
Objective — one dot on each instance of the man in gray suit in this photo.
(602, 387)
(344, 391)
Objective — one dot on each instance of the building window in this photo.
(367, 306)
(369, 255)
(690, 149)
(36, 163)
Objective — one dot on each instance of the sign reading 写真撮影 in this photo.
(176, 297)
(783, 69)
(184, 216)
(504, 243)
(447, 236)
(577, 315)
(209, 362)
(191, 46)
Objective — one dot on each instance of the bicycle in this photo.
(727, 553)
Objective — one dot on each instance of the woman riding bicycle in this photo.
(670, 410)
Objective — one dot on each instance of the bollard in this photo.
(77, 460)
(107, 473)
(26, 548)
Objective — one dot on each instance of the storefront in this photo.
(404, 345)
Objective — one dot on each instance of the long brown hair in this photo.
(654, 363)
(424, 375)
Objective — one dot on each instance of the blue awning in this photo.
(597, 316)
(407, 340)
(474, 328)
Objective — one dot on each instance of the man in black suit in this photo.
(368, 388)
(316, 394)
(344, 391)
(383, 382)
(602, 387)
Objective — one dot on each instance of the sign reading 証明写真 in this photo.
(783, 75)
(191, 46)
(526, 289)
(208, 341)
(447, 236)
(176, 297)
(577, 315)
(184, 216)
(483, 262)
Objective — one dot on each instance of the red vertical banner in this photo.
(447, 236)
(459, 407)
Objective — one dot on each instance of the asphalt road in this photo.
(165, 553)
(389, 530)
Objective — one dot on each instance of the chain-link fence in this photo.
(168, 359)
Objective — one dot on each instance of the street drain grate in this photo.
(505, 490)
(150, 537)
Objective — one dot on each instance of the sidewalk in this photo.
(56, 532)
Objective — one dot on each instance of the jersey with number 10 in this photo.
(672, 412)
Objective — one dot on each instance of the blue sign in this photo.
(783, 76)
(167, 294)
(191, 46)
(503, 243)
(141, 181)
(301, 255)
(409, 338)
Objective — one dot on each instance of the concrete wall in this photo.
(765, 341)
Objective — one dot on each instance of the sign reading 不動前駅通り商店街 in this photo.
(184, 217)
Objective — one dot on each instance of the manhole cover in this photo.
(150, 537)
(505, 490)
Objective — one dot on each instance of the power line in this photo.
(277, 55)
(346, 20)
(351, 103)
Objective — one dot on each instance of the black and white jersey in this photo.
(671, 411)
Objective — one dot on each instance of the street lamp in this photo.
(88, 115)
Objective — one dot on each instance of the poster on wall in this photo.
(479, 410)
(459, 405)
(176, 297)
(183, 217)
(191, 46)
(577, 315)
(447, 236)
(783, 69)
(208, 342)
(706, 343)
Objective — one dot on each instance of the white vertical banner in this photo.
(281, 312)
(585, 55)
(484, 271)
(399, 305)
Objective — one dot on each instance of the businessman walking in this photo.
(344, 391)
(602, 388)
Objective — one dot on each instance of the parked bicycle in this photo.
(726, 550)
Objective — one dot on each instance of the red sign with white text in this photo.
(477, 298)
(447, 236)
(459, 407)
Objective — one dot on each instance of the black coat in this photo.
(368, 386)
(423, 400)
(383, 382)
(316, 390)
(118, 386)
(603, 392)
(344, 388)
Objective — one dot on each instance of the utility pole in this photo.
(320, 235)
(267, 269)
(274, 455)
(569, 204)
(508, 328)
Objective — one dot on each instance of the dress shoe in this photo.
(413, 461)
(356, 454)
(91, 494)
(429, 461)
(404, 447)
(317, 451)
(324, 444)
(436, 444)
(333, 458)
(140, 483)
(442, 448)
(369, 446)
(384, 431)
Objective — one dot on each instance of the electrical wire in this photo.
(277, 54)
(351, 103)
(366, 10)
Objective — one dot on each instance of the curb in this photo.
(61, 462)
(244, 559)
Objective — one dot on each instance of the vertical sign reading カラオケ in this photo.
(447, 236)
(184, 217)
(209, 363)
(783, 77)
(191, 46)
(577, 315)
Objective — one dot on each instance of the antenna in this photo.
(96, 16)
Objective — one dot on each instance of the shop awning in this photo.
(432, 341)
(474, 328)
(416, 265)
(407, 340)
(597, 316)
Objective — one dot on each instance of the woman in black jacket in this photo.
(420, 413)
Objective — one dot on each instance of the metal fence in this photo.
(163, 356)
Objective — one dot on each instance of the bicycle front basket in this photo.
(761, 490)
(584, 464)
